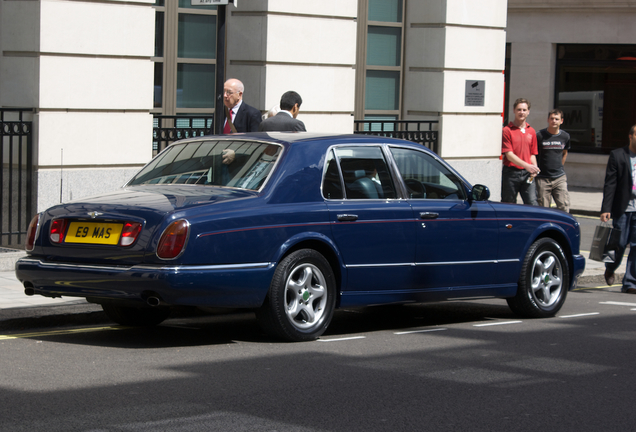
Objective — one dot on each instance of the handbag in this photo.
(605, 243)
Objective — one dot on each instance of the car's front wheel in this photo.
(136, 317)
(543, 282)
(301, 298)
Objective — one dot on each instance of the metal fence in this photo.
(419, 131)
(169, 128)
(17, 191)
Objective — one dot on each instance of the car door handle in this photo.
(428, 215)
(347, 217)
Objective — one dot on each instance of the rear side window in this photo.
(332, 184)
(364, 174)
(425, 177)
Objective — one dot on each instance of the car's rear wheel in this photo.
(136, 317)
(543, 282)
(301, 298)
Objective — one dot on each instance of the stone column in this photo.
(306, 46)
(86, 69)
(450, 43)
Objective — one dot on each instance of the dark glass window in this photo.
(195, 85)
(332, 184)
(384, 46)
(382, 90)
(596, 90)
(365, 173)
(197, 36)
(385, 10)
(159, 26)
(158, 86)
(425, 177)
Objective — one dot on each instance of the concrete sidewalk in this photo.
(14, 303)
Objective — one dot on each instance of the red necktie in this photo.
(227, 129)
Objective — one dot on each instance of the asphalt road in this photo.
(460, 366)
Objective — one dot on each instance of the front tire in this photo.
(136, 317)
(301, 298)
(543, 282)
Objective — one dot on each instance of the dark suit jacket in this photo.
(617, 190)
(247, 119)
(282, 122)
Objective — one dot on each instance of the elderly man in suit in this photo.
(243, 118)
(285, 120)
(619, 203)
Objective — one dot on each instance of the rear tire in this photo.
(543, 282)
(136, 317)
(301, 298)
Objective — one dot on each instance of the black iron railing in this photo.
(16, 175)
(167, 129)
(420, 131)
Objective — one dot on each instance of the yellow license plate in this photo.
(93, 233)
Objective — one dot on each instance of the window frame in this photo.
(360, 111)
(390, 167)
(170, 60)
(461, 187)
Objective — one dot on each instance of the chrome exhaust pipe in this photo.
(153, 301)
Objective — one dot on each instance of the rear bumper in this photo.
(235, 286)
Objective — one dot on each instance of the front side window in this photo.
(425, 177)
(240, 164)
(365, 173)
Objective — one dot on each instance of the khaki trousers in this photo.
(557, 188)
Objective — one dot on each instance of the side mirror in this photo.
(480, 193)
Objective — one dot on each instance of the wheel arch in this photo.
(557, 234)
(323, 245)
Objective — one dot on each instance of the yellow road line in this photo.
(586, 216)
(590, 288)
(60, 332)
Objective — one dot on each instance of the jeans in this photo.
(515, 181)
(627, 225)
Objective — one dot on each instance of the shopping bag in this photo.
(605, 243)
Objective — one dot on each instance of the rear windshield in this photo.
(240, 164)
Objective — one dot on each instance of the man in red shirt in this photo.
(519, 150)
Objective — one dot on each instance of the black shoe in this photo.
(609, 277)
(630, 290)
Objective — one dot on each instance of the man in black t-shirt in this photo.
(553, 145)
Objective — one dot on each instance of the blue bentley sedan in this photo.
(294, 225)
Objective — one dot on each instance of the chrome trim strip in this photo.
(380, 265)
(77, 266)
(205, 267)
(440, 263)
(467, 262)
(147, 266)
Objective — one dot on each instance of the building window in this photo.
(185, 58)
(379, 60)
(596, 90)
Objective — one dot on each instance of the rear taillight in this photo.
(58, 228)
(129, 233)
(173, 240)
(32, 233)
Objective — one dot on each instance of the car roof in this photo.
(301, 137)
